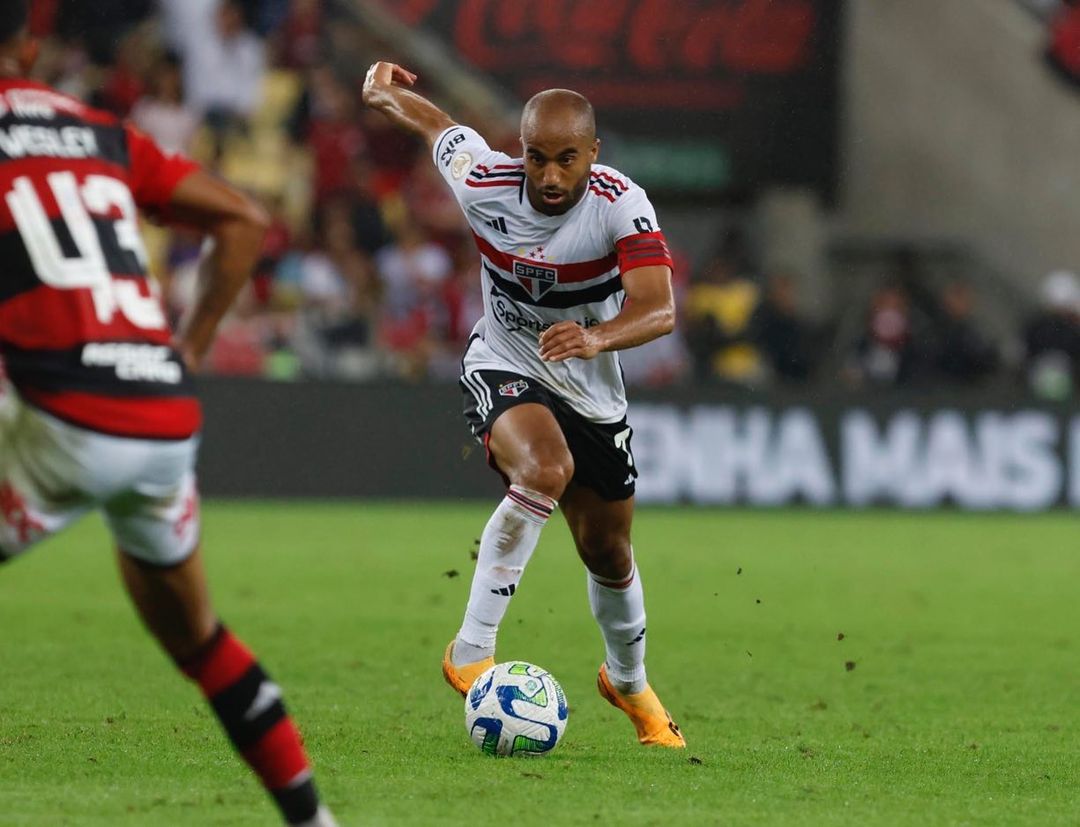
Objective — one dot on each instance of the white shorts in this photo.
(52, 473)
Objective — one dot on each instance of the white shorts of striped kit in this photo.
(52, 473)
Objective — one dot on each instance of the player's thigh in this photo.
(512, 415)
(154, 517)
(38, 496)
(603, 457)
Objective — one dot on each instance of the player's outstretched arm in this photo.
(236, 226)
(647, 314)
(385, 90)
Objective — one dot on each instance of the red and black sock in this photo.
(249, 705)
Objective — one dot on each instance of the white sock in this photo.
(619, 608)
(505, 547)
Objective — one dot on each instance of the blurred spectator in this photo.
(462, 296)
(369, 227)
(298, 40)
(719, 306)
(337, 292)
(433, 205)
(784, 337)
(161, 112)
(1063, 49)
(121, 82)
(186, 22)
(1052, 338)
(885, 352)
(413, 272)
(100, 25)
(960, 352)
(326, 121)
(224, 64)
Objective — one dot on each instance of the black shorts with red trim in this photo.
(603, 460)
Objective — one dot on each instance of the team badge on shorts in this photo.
(514, 389)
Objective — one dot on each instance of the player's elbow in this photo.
(254, 217)
(245, 223)
(665, 322)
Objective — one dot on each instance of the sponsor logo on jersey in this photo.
(460, 165)
(514, 319)
(134, 362)
(535, 278)
(513, 389)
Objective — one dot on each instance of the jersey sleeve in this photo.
(470, 166)
(639, 242)
(154, 174)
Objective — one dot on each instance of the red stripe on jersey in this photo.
(622, 185)
(512, 182)
(500, 166)
(597, 191)
(49, 319)
(567, 273)
(643, 250)
(177, 417)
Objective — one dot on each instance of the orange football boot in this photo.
(652, 722)
(461, 678)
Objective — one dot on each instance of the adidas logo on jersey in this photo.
(498, 224)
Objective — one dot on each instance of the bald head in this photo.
(558, 111)
(558, 141)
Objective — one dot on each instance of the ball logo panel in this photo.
(515, 708)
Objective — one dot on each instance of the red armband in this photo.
(643, 250)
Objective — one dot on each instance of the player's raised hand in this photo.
(568, 340)
(382, 74)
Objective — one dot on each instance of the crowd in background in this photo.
(369, 271)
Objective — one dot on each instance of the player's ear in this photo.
(595, 149)
(29, 50)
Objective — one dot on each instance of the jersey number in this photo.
(622, 441)
(87, 269)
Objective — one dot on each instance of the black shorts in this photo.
(603, 460)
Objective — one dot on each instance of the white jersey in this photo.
(537, 269)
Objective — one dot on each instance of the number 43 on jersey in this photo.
(99, 197)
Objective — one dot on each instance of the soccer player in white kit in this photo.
(574, 269)
(97, 410)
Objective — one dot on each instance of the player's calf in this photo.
(250, 708)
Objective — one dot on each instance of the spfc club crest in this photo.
(535, 278)
(514, 389)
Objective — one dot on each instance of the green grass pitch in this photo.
(827, 668)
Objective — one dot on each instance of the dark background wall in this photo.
(715, 447)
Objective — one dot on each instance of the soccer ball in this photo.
(515, 708)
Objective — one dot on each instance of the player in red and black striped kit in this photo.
(98, 410)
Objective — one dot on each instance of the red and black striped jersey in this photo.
(83, 333)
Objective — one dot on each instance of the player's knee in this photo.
(548, 474)
(606, 554)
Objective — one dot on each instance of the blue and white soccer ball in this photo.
(515, 708)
